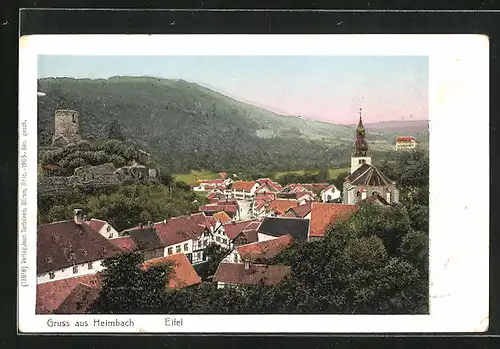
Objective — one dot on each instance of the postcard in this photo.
(253, 184)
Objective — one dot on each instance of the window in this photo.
(178, 249)
(185, 247)
(170, 250)
(374, 193)
(75, 269)
(52, 275)
(217, 239)
(204, 243)
(90, 265)
(224, 241)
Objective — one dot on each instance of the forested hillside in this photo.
(187, 126)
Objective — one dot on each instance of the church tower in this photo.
(360, 153)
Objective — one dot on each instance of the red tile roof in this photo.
(331, 186)
(183, 274)
(62, 244)
(235, 273)
(405, 139)
(51, 167)
(212, 220)
(200, 218)
(222, 217)
(299, 211)
(79, 301)
(217, 208)
(125, 243)
(233, 229)
(241, 185)
(223, 175)
(280, 206)
(323, 215)
(96, 224)
(179, 229)
(265, 249)
(50, 295)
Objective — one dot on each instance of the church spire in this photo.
(360, 144)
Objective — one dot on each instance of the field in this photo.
(193, 176)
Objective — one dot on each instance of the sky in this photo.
(326, 88)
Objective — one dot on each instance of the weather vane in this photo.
(360, 109)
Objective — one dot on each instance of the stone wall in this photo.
(67, 125)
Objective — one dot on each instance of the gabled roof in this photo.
(368, 175)
(183, 273)
(200, 218)
(125, 243)
(233, 229)
(222, 217)
(279, 226)
(179, 229)
(242, 185)
(305, 193)
(331, 186)
(281, 205)
(217, 208)
(79, 300)
(95, 224)
(50, 295)
(63, 244)
(300, 211)
(146, 238)
(235, 273)
(265, 249)
(323, 215)
(405, 139)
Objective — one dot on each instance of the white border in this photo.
(459, 149)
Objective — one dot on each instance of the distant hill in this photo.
(187, 126)
(404, 126)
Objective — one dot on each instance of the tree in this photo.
(115, 131)
(214, 254)
(129, 289)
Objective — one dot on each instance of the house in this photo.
(266, 185)
(256, 251)
(147, 239)
(80, 300)
(235, 274)
(242, 190)
(305, 197)
(301, 211)
(226, 235)
(102, 227)
(330, 194)
(405, 143)
(280, 206)
(279, 226)
(222, 217)
(216, 195)
(184, 235)
(51, 295)
(125, 243)
(229, 208)
(70, 248)
(325, 215)
(248, 235)
(51, 170)
(182, 275)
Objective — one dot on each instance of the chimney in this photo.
(85, 217)
(140, 225)
(77, 216)
(247, 264)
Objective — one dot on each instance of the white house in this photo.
(330, 194)
(70, 248)
(102, 227)
(241, 190)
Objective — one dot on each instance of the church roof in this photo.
(368, 175)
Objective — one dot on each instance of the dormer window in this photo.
(71, 256)
(84, 252)
(52, 275)
(48, 260)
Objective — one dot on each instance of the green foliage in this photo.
(124, 208)
(115, 131)
(93, 154)
(129, 289)
(214, 254)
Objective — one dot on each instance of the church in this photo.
(365, 179)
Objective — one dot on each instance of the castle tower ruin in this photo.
(67, 126)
